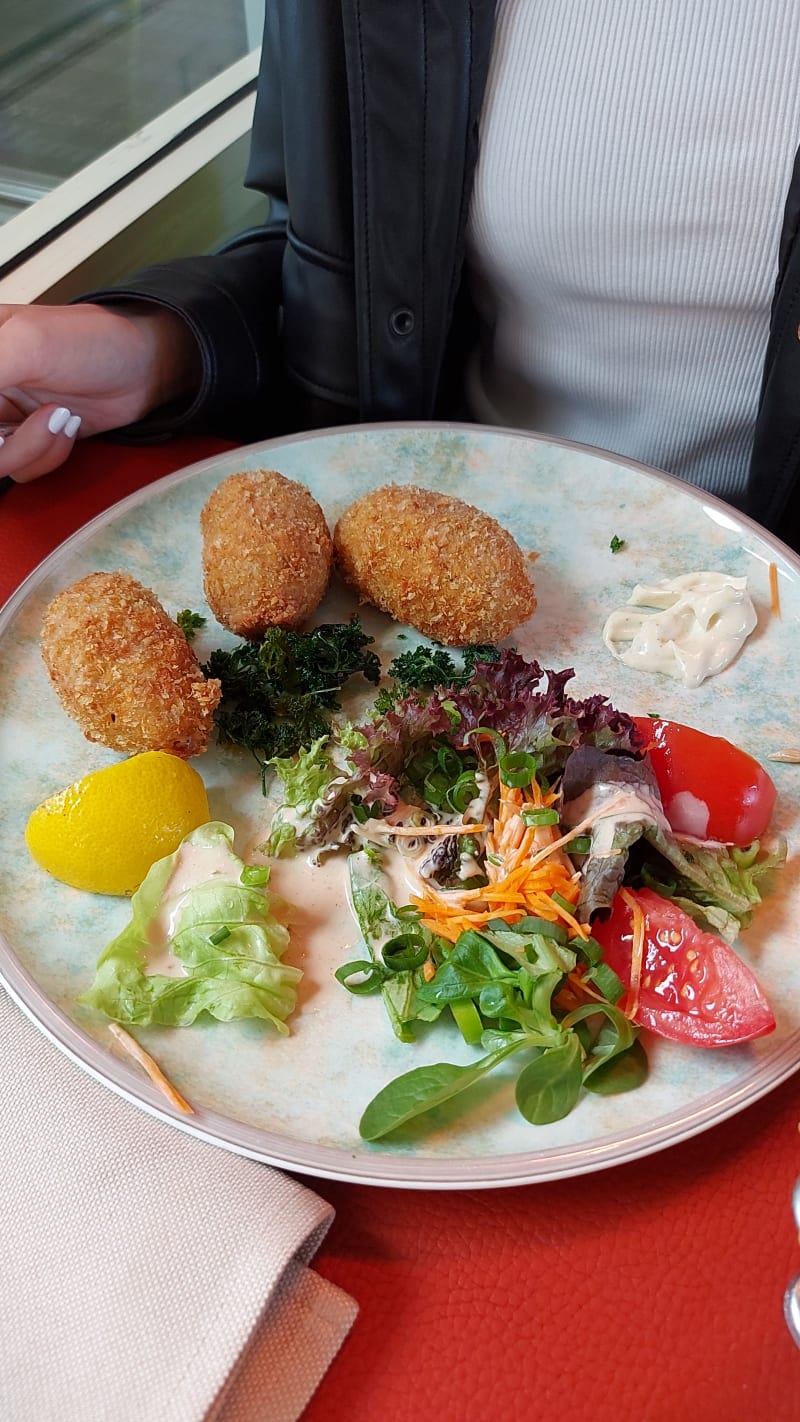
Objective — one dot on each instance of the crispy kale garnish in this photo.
(275, 692)
(426, 667)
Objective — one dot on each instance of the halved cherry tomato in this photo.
(709, 787)
(693, 987)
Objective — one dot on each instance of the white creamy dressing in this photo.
(476, 809)
(622, 806)
(469, 868)
(316, 890)
(698, 624)
(195, 864)
(316, 911)
(299, 817)
(288, 815)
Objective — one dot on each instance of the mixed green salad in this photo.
(518, 864)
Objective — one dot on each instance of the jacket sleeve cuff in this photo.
(231, 303)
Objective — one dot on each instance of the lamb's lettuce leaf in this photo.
(216, 928)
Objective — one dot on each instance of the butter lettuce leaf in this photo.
(200, 911)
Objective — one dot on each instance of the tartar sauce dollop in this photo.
(697, 625)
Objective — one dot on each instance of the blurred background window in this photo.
(80, 79)
(79, 76)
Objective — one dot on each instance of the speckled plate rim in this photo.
(361, 1167)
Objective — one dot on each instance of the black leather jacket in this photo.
(348, 304)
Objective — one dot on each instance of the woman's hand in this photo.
(70, 370)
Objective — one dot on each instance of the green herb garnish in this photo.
(427, 667)
(617, 544)
(189, 623)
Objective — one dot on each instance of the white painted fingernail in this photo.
(72, 426)
(58, 419)
(2, 441)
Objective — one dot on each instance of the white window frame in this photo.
(41, 245)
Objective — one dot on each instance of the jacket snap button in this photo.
(401, 321)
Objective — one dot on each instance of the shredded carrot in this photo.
(131, 1046)
(584, 986)
(413, 832)
(774, 592)
(637, 953)
(521, 884)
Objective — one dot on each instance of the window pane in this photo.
(77, 77)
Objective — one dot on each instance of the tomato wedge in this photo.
(693, 987)
(709, 788)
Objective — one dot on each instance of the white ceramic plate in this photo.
(296, 1102)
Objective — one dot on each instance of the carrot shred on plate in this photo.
(637, 954)
(774, 591)
(156, 1075)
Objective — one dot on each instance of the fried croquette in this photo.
(267, 552)
(434, 562)
(124, 670)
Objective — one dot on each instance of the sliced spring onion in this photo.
(220, 935)
(449, 762)
(607, 982)
(468, 1020)
(406, 951)
(435, 787)
(371, 980)
(462, 792)
(562, 902)
(588, 948)
(408, 912)
(542, 926)
(487, 733)
(517, 769)
(581, 844)
(533, 817)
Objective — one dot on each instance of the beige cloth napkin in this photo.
(143, 1273)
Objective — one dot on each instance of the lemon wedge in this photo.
(105, 831)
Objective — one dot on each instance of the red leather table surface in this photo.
(648, 1291)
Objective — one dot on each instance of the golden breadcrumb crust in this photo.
(434, 562)
(267, 552)
(124, 670)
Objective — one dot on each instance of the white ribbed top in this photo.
(634, 161)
